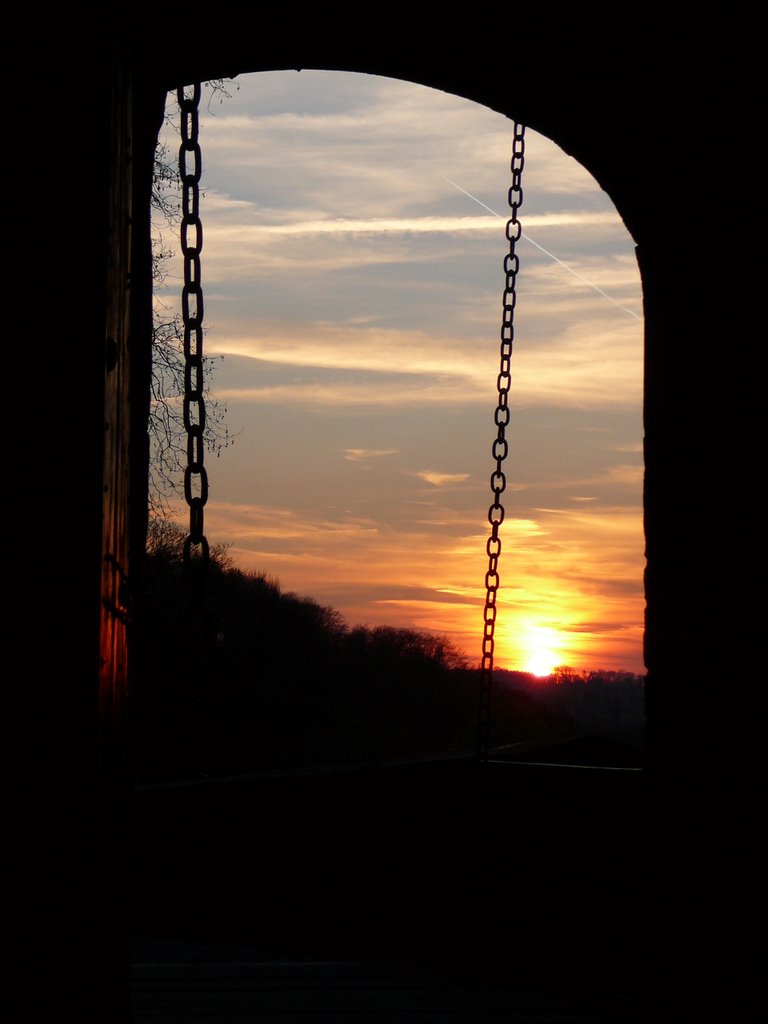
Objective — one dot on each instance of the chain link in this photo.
(500, 446)
(192, 311)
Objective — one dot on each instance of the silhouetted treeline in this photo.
(254, 679)
(605, 702)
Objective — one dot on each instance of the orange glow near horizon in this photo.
(553, 609)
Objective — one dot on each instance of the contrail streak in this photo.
(547, 252)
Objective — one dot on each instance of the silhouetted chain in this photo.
(500, 445)
(190, 171)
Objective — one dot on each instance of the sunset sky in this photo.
(354, 291)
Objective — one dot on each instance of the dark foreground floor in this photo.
(178, 982)
(433, 893)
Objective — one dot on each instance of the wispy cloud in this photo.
(246, 233)
(583, 364)
(366, 454)
(350, 396)
(430, 476)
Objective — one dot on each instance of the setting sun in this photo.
(540, 649)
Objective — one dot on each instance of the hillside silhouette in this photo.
(262, 680)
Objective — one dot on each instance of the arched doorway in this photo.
(361, 352)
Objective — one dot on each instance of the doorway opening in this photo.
(354, 237)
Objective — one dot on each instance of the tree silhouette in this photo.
(282, 681)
